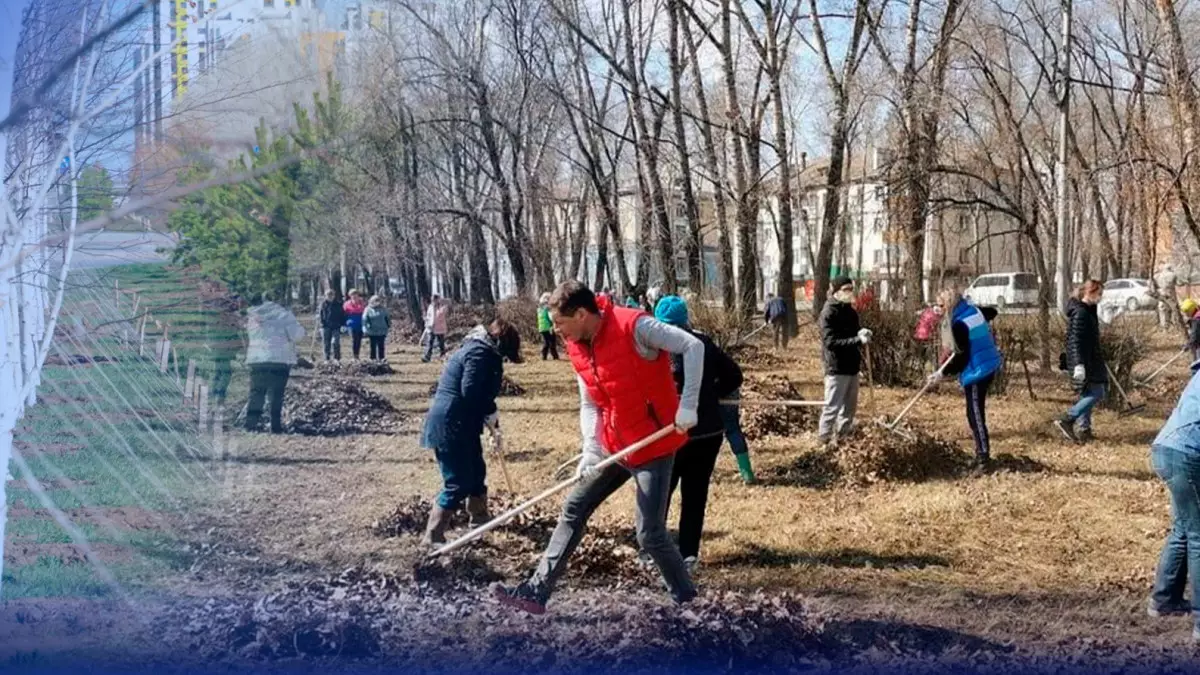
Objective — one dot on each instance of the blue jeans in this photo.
(1081, 412)
(464, 474)
(441, 344)
(1181, 472)
(731, 416)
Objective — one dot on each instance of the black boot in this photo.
(435, 530)
(477, 510)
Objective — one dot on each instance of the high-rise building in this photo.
(188, 39)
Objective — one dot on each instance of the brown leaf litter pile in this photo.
(362, 613)
(351, 368)
(871, 455)
(334, 407)
(606, 558)
(762, 421)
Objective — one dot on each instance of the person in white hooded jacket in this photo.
(273, 332)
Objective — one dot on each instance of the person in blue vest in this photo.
(974, 358)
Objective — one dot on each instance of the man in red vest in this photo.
(622, 362)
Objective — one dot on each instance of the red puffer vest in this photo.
(635, 397)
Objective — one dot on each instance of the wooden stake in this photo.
(165, 359)
(175, 358)
(142, 338)
(189, 387)
(203, 406)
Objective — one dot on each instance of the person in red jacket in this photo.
(622, 361)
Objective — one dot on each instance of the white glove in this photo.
(1080, 374)
(864, 335)
(934, 378)
(685, 419)
(492, 421)
(587, 467)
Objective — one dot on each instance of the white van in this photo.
(1003, 290)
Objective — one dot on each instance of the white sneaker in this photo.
(691, 563)
(644, 559)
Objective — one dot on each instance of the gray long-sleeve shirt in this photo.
(650, 337)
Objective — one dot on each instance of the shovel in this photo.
(882, 421)
(547, 493)
(1146, 380)
(1130, 408)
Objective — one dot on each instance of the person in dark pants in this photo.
(621, 358)
(273, 334)
(333, 318)
(1175, 455)
(974, 358)
(695, 462)
(546, 328)
(376, 323)
(775, 313)
(354, 309)
(1084, 361)
(463, 404)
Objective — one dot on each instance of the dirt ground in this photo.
(1048, 559)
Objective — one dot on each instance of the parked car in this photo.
(1003, 289)
(1131, 294)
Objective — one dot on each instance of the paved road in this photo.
(105, 249)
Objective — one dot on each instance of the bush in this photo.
(896, 358)
(724, 326)
(521, 313)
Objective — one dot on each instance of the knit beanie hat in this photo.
(673, 310)
(839, 281)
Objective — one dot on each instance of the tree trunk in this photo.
(833, 195)
(725, 248)
(694, 244)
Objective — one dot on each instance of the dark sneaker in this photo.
(1173, 608)
(1085, 435)
(521, 597)
(980, 466)
(1067, 428)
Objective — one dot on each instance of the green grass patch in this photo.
(50, 577)
(115, 435)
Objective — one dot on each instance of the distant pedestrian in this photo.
(273, 332)
(435, 320)
(1084, 361)
(775, 313)
(333, 318)
(354, 308)
(546, 328)
(376, 323)
(926, 333)
(1191, 313)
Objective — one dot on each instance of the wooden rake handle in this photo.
(782, 404)
(547, 493)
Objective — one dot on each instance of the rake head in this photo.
(884, 423)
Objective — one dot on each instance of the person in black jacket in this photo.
(695, 461)
(463, 403)
(775, 314)
(333, 317)
(1084, 361)
(842, 337)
